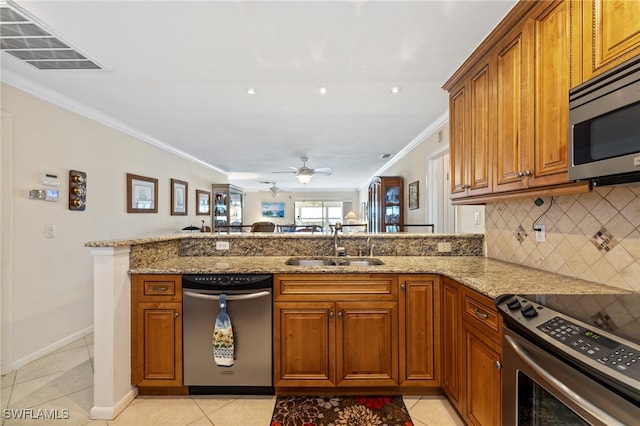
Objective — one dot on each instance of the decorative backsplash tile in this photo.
(603, 241)
(593, 236)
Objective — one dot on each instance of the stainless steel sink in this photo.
(364, 262)
(368, 261)
(310, 262)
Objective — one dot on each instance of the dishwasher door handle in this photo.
(229, 296)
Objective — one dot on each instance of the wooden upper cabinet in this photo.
(458, 141)
(513, 117)
(552, 46)
(611, 34)
(471, 116)
(509, 104)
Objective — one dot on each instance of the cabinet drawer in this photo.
(310, 287)
(159, 288)
(479, 311)
(149, 288)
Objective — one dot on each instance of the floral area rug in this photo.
(339, 411)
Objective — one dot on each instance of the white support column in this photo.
(112, 389)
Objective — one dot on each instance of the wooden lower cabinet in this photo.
(471, 354)
(156, 331)
(357, 331)
(420, 331)
(482, 376)
(304, 344)
(367, 344)
(452, 343)
(344, 344)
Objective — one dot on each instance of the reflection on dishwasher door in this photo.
(250, 311)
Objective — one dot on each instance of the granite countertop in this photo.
(265, 235)
(487, 276)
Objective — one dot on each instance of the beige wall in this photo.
(49, 281)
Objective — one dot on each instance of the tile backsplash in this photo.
(594, 236)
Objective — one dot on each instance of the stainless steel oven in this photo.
(249, 306)
(560, 371)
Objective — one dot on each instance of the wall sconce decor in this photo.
(77, 190)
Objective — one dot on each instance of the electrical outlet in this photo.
(222, 245)
(540, 233)
(444, 247)
(476, 218)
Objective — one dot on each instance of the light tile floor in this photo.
(61, 385)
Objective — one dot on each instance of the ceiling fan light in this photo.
(274, 191)
(304, 178)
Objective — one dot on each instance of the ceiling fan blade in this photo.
(288, 171)
(323, 169)
(323, 172)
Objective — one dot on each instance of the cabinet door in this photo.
(420, 330)
(367, 343)
(157, 344)
(482, 129)
(512, 74)
(548, 156)
(304, 344)
(392, 199)
(452, 342)
(611, 31)
(483, 377)
(458, 141)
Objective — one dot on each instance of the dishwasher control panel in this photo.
(226, 281)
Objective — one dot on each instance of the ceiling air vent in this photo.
(24, 38)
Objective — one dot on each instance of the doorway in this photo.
(440, 211)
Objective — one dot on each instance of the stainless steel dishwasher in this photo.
(250, 306)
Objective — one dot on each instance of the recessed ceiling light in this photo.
(395, 89)
(322, 90)
(251, 91)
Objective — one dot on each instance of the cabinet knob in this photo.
(524, 173)
(498, 365)
(176, 315)
(340, 314)
(331, 314)
(403, 286)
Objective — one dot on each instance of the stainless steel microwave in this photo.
(604, 127)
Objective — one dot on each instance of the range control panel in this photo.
(600, 350)
(594, 345)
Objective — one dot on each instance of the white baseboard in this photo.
(110, 413)
(50, 348)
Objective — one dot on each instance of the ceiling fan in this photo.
(274, 190)
(304, 173)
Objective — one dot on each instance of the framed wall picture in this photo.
(272, 210)
(414, 195)
(179, 191)
(142, 194)
(203, 200)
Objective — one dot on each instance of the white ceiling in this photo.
(178, 72)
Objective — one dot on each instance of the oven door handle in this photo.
(229, 296)
(570, 394)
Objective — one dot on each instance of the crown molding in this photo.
(20, 82)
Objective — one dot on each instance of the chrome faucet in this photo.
(339, 251)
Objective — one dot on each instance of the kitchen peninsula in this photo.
(458, 257)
